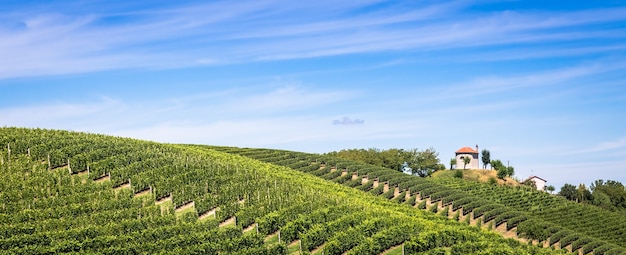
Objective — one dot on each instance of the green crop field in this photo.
(69, 192)
(534, 216)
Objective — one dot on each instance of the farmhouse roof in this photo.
(466, 150)
(535, 177)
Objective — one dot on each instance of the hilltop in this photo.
(478, 175)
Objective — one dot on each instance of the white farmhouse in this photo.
(540, 184)
(467, 152)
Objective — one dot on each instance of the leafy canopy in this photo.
(420, 162)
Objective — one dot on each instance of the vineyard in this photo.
(537, 217)
(69, 192)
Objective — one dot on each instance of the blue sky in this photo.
(541, 85)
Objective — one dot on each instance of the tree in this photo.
(466, 160)
(568, 191)
(602, 200)
(502, 173)
(510, 171)
(609, 195)
(550, 188)
(391, 158)
(394, 158)
(424, 163)
(582, 194)
(502, 170)
(452, 162)
(497, 164)
(485, 157)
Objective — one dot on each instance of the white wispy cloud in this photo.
(494, 84)
(58, 115)
(37, 41)
(616, 144)
(286, 98)
(270, 107)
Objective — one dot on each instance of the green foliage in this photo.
(609, 195)
(378, 190)
(422, 162)
(51, 211)
(388, 194)
(274, 197)
(466, 160)
(433, 208)
(458, 174)
(502, 170)
(411, 200)
(497, 164)
(510, 171)
(485, 157)
(391, 158)
(568, 191)
(422, 205)
(533, 229)
(189, 217)
(445, 211)
(457, 215)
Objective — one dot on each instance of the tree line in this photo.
(608, 194)
(419, 162)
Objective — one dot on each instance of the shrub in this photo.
(433, 208)
(458, 174)
(400, 198)
(579, 243)
(603, 249)
(411, 200)
(378, 190)
(532, 229)
(515, 221)
(587, 248)
(422, 205)
(388, 194)
(445, 211)
(569, 239)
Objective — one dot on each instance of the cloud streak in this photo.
(604, 146)
(98, 37)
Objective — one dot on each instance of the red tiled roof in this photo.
(466, 150)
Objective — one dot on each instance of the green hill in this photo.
(551, 220)
(478, 175)
(68, 192)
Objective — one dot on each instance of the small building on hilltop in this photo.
(467, 152)
(539, 183)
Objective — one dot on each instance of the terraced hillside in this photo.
(67, 192)
(513, 211)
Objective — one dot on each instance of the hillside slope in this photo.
(67, 192)
(544, 218)
(478, 175)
